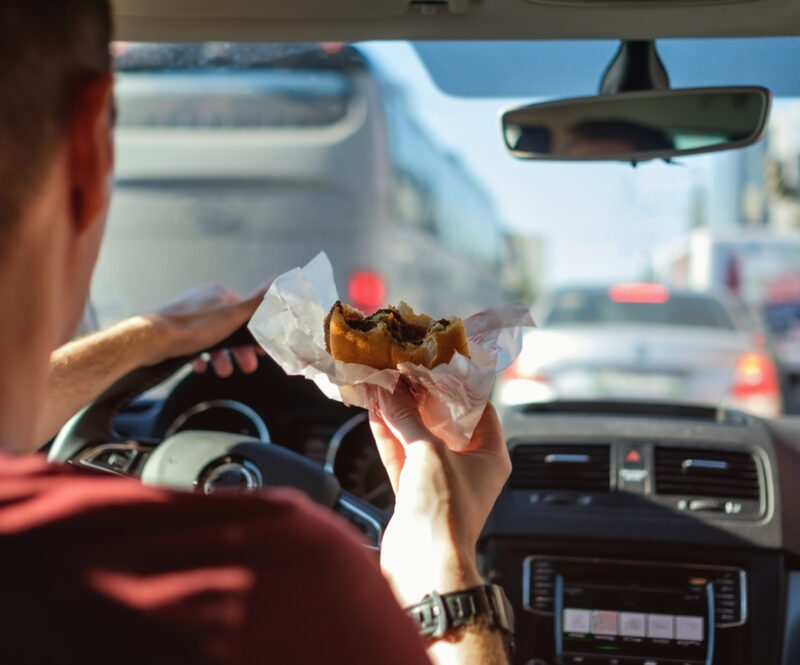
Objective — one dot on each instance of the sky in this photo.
(599, 221)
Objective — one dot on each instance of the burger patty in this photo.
(400, 329)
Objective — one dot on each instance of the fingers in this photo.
(401, 415)
(200, 364)
(391, 451)
(488, 433)
(222, 363)
(488, 439)
(258, 294)
(246, 358)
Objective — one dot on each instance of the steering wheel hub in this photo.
(229, 474)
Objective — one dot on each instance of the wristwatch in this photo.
(437, 614)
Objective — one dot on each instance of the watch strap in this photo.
(438, 613)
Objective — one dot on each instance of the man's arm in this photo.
(443, 498)
(82, 369)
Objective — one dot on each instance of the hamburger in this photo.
(392, 336)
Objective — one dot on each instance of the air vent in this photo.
(583, 468)
(713, 473)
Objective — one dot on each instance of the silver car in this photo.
(641, 342)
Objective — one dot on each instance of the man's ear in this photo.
(91, 149)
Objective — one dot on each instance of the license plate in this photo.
(615, 383)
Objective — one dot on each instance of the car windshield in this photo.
(637, 306)
(237, 162)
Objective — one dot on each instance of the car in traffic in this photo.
(641, 341)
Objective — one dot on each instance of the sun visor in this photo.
(258, 9)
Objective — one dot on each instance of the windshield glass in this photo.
(625, 306)
(236, 162)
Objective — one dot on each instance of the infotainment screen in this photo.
(605, 621)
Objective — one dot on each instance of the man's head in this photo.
(56, 152)
(56, 158)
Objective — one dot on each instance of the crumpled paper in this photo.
(289, 326)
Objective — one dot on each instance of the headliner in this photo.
(359, 20)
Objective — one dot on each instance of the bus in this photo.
(239, 162)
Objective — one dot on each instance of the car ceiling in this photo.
(358, 20)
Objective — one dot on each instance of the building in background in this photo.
(738, 262)
(524, 273)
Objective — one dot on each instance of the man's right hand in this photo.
(443, 498)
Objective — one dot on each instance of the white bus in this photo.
(237, 162)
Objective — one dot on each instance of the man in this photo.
(101, 569)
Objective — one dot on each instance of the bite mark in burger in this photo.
(392, 336)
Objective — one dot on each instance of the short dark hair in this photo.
(47, 47)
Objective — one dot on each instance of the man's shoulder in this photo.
(236, 576)
(35, 494)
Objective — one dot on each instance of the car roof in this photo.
(358, 20)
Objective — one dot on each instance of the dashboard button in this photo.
(727, 575)
(707, 505)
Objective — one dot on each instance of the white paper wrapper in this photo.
(288, 325)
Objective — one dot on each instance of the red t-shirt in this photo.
(97, 569)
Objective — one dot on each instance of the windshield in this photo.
(620, 306)
(238, 162)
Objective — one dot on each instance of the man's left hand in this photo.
(202, 317)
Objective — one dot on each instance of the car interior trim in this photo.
(347, 506)
(339, 436)
(89, 457)
(791, 647)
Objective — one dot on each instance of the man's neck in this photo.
(29, 312)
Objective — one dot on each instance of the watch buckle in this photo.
(432, 616)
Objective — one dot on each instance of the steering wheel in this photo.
(201, 461)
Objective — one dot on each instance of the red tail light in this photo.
(639, 293)
(331, 48)
(755, 376)
(366, 290)
(518, 370)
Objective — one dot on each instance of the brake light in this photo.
(755, 376)
(367, 290)
(331, 48)
(639, 292)
(520, 370)
(523, 384)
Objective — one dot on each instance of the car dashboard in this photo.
(628, 534)
(649, 534)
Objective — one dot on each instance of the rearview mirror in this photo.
(638, 126)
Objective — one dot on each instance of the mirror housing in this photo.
(638, 126)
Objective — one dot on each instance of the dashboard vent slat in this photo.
(706, 472)
(567, 467)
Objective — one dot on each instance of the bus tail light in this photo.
(366, 290)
